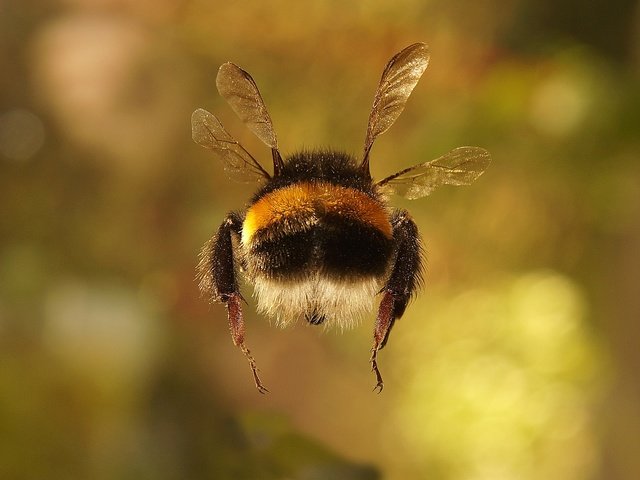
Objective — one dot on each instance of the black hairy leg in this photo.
(405, 278)
(218, 278)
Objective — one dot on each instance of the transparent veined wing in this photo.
(461, 166)
(239, 89)
(208, 132)
(398, 80)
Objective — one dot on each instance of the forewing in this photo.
(461, 166)
(241, 92)
(399, 78)
(208, 132)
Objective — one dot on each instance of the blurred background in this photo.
(519, 359)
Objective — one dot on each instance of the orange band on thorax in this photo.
(307, 202)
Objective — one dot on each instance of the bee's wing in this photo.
(241, 92)
(461, 166)
(399, 78)
(208, 132)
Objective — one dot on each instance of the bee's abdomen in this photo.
(350, 246)
(317, 227)
(334, 246)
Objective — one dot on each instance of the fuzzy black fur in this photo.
(406, 275)
(338, 247)
(336, 168)
(216, 269)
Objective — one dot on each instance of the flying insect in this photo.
(318, 240)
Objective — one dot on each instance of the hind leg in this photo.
(402, 283)
(218, 279)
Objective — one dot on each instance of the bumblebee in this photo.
(318, 240)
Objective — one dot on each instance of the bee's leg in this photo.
(218, 279)
(405, 277)
(236, 325)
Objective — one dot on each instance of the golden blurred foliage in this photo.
(519, 358)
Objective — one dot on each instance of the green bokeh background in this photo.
(520, 358)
